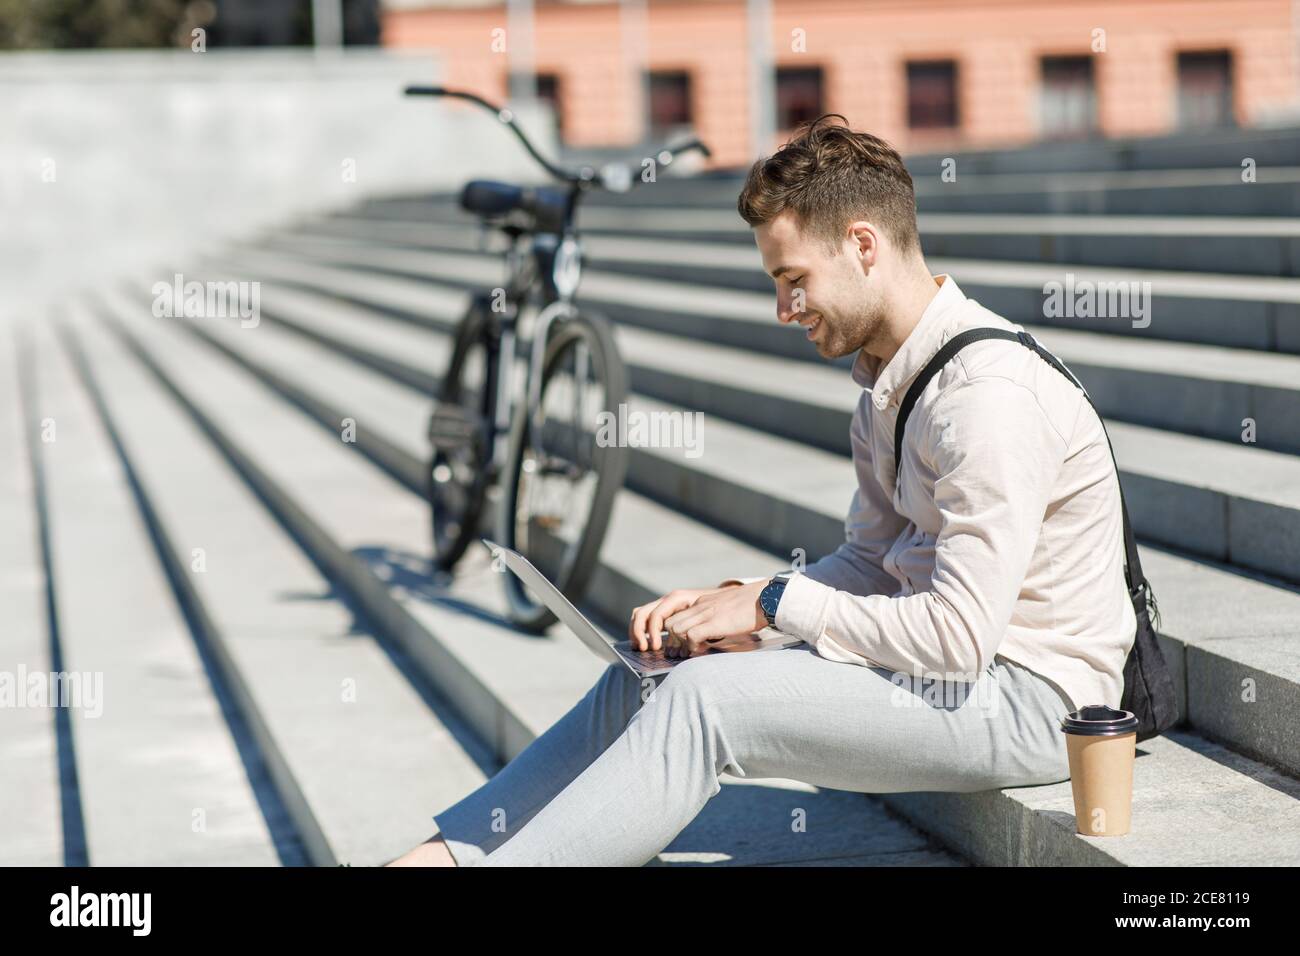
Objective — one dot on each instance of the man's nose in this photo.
(784, 307)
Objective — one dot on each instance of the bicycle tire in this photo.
(456, 504)
(574, 571)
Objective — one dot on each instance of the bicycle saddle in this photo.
(544, 207)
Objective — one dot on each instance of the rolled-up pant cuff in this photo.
(462, 851)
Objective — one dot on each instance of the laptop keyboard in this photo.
(652, 658)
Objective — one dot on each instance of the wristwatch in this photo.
(769, 599)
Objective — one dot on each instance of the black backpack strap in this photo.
(941, 358)
(1132, 564)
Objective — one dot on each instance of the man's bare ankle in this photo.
(432, 852)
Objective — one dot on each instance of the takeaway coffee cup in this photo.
(1102, 744)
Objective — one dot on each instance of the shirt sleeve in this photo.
(870, 529)
(994, 456)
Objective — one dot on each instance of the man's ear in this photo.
(864, 241)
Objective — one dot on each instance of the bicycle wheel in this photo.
(561, 477)
(461, 436)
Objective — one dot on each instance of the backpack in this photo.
(1148, 688)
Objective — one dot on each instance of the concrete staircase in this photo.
(283, 682)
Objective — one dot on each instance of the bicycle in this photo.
(573, 378)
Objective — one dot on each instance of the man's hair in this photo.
(831, 176)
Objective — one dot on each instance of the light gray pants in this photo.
(615, 779)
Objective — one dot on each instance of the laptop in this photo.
(649, 663)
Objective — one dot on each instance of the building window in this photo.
(932, 95)
(799, 97)
(1205, 89)
(548, 91)
(1068, 97)
(670, 101)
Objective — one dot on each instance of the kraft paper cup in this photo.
(1102, 744)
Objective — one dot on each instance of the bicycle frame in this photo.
(525, 275)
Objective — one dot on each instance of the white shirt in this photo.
(1004, 537)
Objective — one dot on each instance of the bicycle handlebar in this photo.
(586, 174)
(502, 114)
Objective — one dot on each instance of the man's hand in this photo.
(698, 617)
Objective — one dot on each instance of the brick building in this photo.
(922, 73)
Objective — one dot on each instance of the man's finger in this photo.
(679, 623)
(691, 629)
(632, 623)
(668, 605)
(642, 624)
(706, 631)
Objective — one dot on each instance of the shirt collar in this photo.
(921, 345)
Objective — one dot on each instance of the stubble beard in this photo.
(837, 341)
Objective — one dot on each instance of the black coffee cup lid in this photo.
(1098, 720)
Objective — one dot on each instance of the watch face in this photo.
(770, 599)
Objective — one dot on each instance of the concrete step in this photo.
(1223, 148)
(31, 801)
(1211, 645)
(158, 770)
(1195, 802)
(1265, 246)
(1228, 503)
(1249, 312)
(357, 747)
(370, 532)
(1202, 390)
(1220, 191)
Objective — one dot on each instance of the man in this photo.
(1005, 532)
(981, 595)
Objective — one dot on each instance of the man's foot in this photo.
(432, 852)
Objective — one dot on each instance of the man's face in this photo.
(829, 295)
